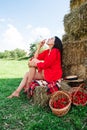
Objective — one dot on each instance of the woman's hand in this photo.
(38, 48)
(41, 43)
(33, 62)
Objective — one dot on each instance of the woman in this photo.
(48, 64)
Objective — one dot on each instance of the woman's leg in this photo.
(38, 76)
(29, 76)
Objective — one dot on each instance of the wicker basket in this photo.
(60, 111)
(74, 96)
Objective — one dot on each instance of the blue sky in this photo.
(24, 21)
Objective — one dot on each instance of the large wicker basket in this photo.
(78, 94)
(58, 95)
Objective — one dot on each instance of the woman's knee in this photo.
(26, 74)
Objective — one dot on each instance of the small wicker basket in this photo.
(75, 95)
(60, 111)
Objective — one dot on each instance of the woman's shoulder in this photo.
(55, 50)
(46, 51)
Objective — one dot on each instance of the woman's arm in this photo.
(38, 49)
(50, 60)
(33, 61)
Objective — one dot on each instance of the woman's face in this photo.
(50, 42)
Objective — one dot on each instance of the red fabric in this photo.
(51, 87)
(51, 65)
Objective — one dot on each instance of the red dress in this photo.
(51, 65)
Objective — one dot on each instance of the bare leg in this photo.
(24, 83)
(30, 77)
(38, 76)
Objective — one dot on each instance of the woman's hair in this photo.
(58, 44)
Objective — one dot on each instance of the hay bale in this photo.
(75, 23)
(75, 40)
(65, 86)
(40, 96)
(79, 70)
(75, 53)
(65, 38)
(76, 3)
(75, 59)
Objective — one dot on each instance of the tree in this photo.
(14, 54)
(33, 47)
(6, 54)
(20, 53)
(32, 50)
(1, 54)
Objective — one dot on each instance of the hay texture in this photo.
(76, 3)
(40, 96)
(75, 59)
(65, 86)
(75, 24)
(75, 40)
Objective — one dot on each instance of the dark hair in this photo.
(58, 44)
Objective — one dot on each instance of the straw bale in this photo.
(65, 37)
(75, 23)
(74, 52)
(75, 40)
(79, 70)
(40, 96)
(76, 3)
(75, 58)
(64, 86)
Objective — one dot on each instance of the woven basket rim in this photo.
(59, 109)
(60, 91)
(73, 90)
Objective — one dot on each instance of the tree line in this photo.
(13, 54)
(19, 53)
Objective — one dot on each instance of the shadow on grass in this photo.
(23, 58)
(8, 85)
(7, 82)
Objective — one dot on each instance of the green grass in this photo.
(22, 114)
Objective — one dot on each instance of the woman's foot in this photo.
(14, 94)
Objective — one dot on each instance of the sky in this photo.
(24, 21)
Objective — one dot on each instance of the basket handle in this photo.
(80, 86)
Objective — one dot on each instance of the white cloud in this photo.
(29, 26)
(40, 32)
(2, 19)
(12, 38)
(37, 33)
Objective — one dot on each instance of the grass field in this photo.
(22, 114)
